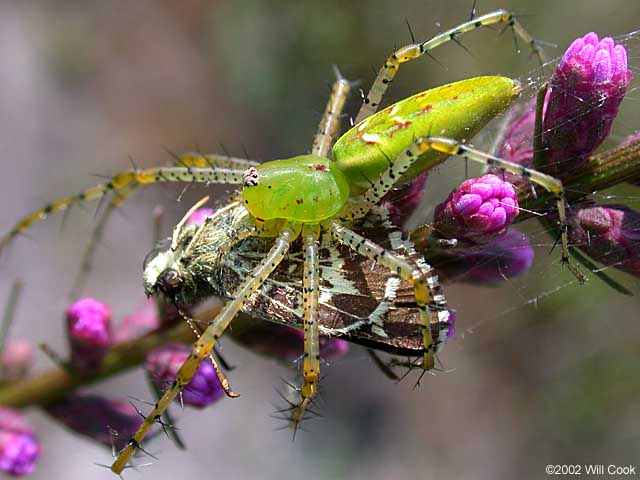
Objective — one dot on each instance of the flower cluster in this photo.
(88, 330)
(110, 422)
(479, 210)
(609, 234)
(19, 448)
(578, 110)
(162, 366)
(583, 100)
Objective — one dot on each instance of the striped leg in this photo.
(222, 378)
(125, 180)
(204, 345)
(331, 118)
(439, 314)
(438, 311)
(390, 68)
(401, 267)
(360, 206)
(310, 299)
(187, 160)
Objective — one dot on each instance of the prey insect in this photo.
(292, 215)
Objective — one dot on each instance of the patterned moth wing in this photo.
(359, 300)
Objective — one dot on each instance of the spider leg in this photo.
(390, 68)
(437, 308)
(185, 160)
(310, 301)
(405, 270)
(330, 121)
(224, 382)
(360, 206)
(124, 180)
(204, 345)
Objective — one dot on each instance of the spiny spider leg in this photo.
(390, 68)
(360, 206)
(310, 302)
(124, 180)
(224, 382)
(186, 160)
(437, 307)
(204, 345)
(401, 267)
(330, 121)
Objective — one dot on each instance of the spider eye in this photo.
(169, 280)
(250, 177)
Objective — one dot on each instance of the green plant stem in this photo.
(604, 170)
(54, 384)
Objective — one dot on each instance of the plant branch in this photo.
(54, 384)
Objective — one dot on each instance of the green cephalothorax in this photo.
(457, 110)
(305, 189)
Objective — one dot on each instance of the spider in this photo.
(300, 203)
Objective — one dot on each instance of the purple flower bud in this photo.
(199, 216)
(609, 234)
(142, 321)
(402, 201)
(517, 143)
(496, 261)
(583, 99)
(330, 348)
(109, 422)
(452, 324)
(16, 360)
(478, 210)
(162, 366)
(88, 332)
(282, 342)
(585, 94)
(19, 448)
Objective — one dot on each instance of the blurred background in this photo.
(542, 371)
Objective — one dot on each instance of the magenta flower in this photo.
(452, 324)
(282, 342)
(494, 262)
(16, 359)
(88, 331)
(19, 449)
(609, 234)
(517, 142)
(583, 100)
(479, 210)
(162, 366)
(199, 216)
(585, 94)
(106, 421)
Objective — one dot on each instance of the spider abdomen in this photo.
(456, 110)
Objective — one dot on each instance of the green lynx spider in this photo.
(313, 196)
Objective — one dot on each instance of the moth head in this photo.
(162, 274)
